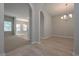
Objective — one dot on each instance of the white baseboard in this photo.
(46, 37)
(19, 34)
(62, 36)
(54, 35)
(35, 42)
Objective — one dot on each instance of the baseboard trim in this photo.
(46, 37)
(35, 42)
(57, 36)
(62, 36)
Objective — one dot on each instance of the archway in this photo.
(17, 16)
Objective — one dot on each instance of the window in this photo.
(18, 27)
(7, 26)
(24, 27)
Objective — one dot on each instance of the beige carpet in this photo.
(54, 46)
(13, 42)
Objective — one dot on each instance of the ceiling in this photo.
(58, 8)
(20, 10)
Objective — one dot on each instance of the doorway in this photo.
(17, 25)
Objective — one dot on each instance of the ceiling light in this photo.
(70, 15)
(62, 17)
(65, 16)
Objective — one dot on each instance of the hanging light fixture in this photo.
(67, 15)
(62, 17)
(70, 15)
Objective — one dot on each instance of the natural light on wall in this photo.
(25, 20)
(25, 27)
(7, 26)
(18, 27)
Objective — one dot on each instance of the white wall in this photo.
(47, 25)
(76, 41)
(62, 27)
(1, 29)
(36, 8)
(41, 25)
(35, 22)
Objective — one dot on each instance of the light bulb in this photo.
(70, 15)
(65, 16)
(62, 17)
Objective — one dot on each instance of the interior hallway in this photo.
(54, 46)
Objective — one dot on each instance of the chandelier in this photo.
(66, 15)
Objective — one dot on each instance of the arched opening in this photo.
(41, 25)
(17, 25)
